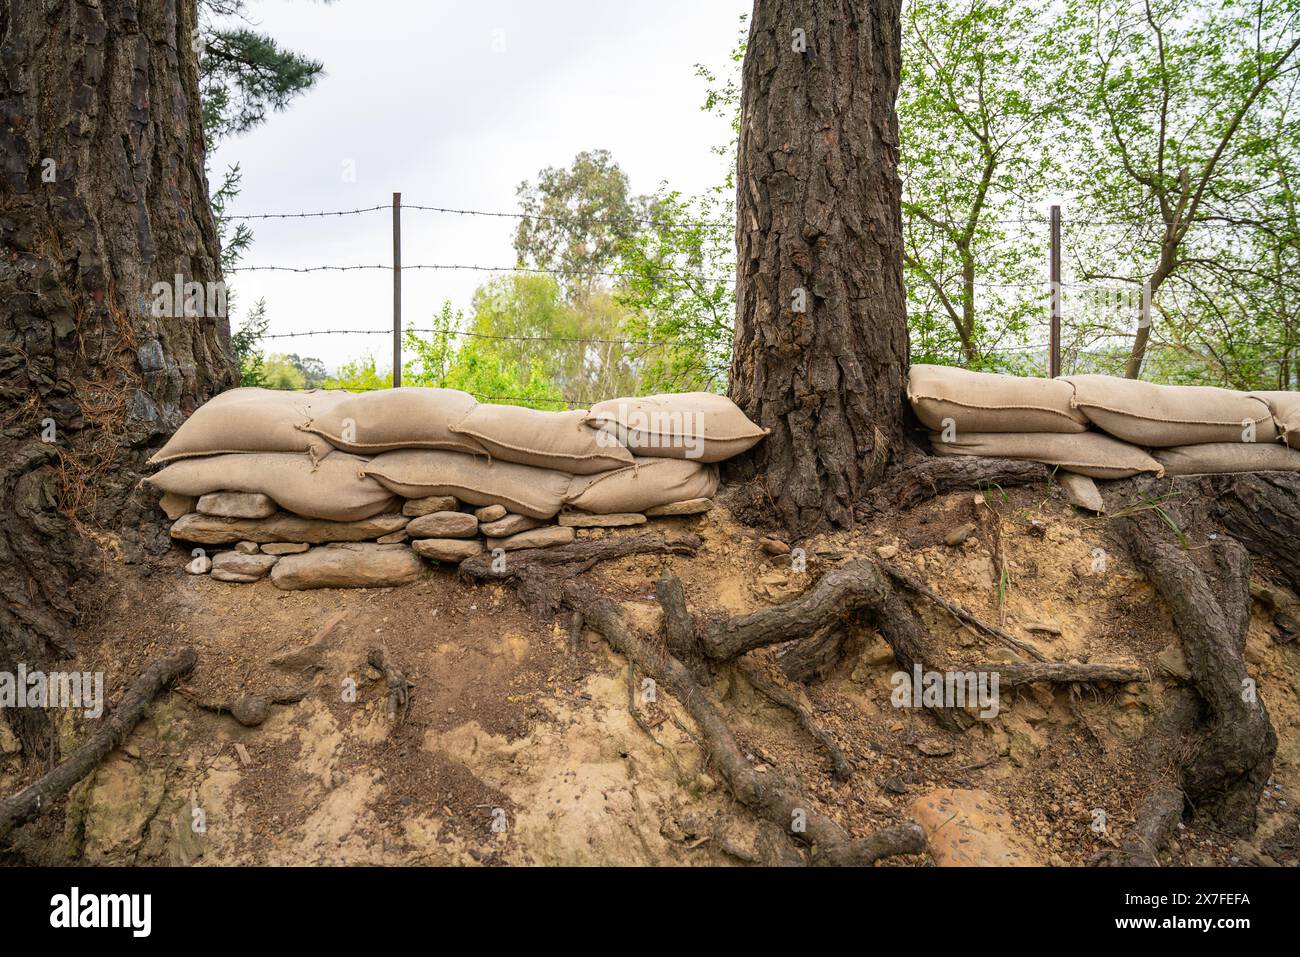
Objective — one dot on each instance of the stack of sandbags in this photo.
(1001, 416)
(327, 489)
(1104, 426)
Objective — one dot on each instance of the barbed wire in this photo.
(649, 343)
(451, 267)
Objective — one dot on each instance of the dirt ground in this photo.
(520, 749)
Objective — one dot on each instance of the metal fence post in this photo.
(397, 290)
(1054, 268)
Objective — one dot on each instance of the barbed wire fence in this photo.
(1093, 343)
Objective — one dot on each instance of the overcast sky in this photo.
(453, 103)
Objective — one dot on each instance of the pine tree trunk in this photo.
(102, 195)
(819, 226)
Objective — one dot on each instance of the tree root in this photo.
(399, 688)
(539, 574)
(937, 475)
(802, 710)
(40, 796)
(767, 795)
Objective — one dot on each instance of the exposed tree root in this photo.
(813, 657)
(1060, 672)
(40, 796)
(399, 688)
(802, 711)
(767, 795)
(539, 573)
(936, 475)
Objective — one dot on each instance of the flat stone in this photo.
(490, 513)
(968, 828)
(535, 538)
(613, 520)
(443, 525)
(284, 548)
(415, 507)
(176, 505)
(237, 505)
(774, 546)
(692, 506)
(282, 527)
(1082, 491)
(247, 548)
(959, 534)
(448, 549)
(238, 567)
(510, 525)
(348, 565)
(392, 538)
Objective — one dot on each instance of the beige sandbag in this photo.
(417, 473)
(1285, 409)
(405, 418)
(984, 402)
(1162, 416)
(646, 484)
(1088, 453)
(331, 488)
(688, 425)
(548, 440)
(1228, 457)
(251, 420)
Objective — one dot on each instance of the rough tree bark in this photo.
(102, 195)
(821, 333)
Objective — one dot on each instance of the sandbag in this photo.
(1218, 457)
(251, 420)
(1163, 416)
(984, 402)
(523, 489)
(407, 418)
(1285, 409)
(699, 426)
(1088, 453)
(332, 488)
(548, 440)
(647, 483)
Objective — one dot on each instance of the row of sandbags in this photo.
(1104, 426)
(341, 456)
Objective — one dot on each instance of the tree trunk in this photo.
(821, 333)
(102, 195)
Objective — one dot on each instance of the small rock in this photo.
(392, 538)
(176, 505)
(284, 548)
(613, 520)
(416, 507)
(237, 505)
(251, 710)
(1043, 628)
(247, 548)
(1172, 662)
(1082, 491)
(887, 551)
(694, 506)
(773, 546)
(199, 565)
(448, 549)
(968, 828)
(241, 568)
(510, 525)
(490, 513)
(959, 534)
(443, 525)
(536, 538)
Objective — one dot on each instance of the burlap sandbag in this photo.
(523, 489)
(699, 426)
(1285, 409)
(646, 484)
(984, 402)
(1228, 457)
(332, 488)
(1162, 416)
(251, 420)
(1088, 453)
(407, 418)
(548, 440)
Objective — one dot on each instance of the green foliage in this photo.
(244, 342)
(360, 375)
